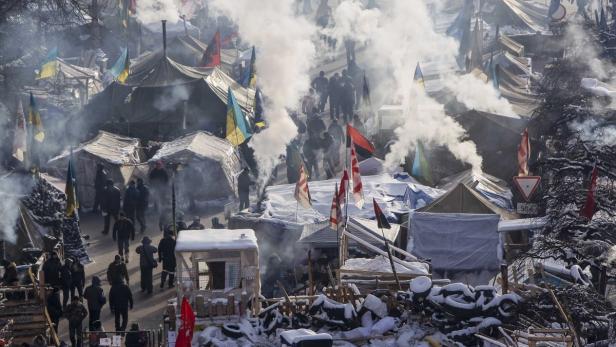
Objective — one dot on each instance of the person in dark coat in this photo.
(316, 126)
(120, 301)
(294, 160)
(112, 201)
(123, 232)
(75, 314)
(159, 181)
(131, 199)
(9, 278)
(96, 300)
(321, 85)
(78, 278)
(310, 149)
(331, 157)
(336, 131)
(147, 263)
(54, 307)
(67, 280)
(216, 224)
(117, 271)
(135, 338)
(334, 91)
(196, 224)
(142, 203)
(243, 188)
(166, 255)
(51, 270)
(348, 99)
(99, 186)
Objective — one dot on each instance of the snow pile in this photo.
(381, 264)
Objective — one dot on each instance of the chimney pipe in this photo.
(164, 37)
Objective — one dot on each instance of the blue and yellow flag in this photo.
(418, 76)
(121, 67)
(72, 204)
(250, 76)
(34, 119)
(49, 68)
(259, 121)
(238, 130)
(421, 169)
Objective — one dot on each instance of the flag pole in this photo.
(391, 260)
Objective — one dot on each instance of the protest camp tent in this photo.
(208, 166)
(119, 155)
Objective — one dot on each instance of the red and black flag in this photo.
(364, 147)
(211, 57)
(588, 210)
(381, 220)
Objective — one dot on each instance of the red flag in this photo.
(335, 216)
(211, 57)
(187, 325)
(523, 154)
(381, 220)
(358, 192)
(588, 210)
(344, 181)
(302, 193)
(354, 136)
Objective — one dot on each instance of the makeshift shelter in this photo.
(163, 99)
(208, 166)
(491, 188)
(118, 154)
(188, 50)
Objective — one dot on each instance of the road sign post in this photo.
(527, 185)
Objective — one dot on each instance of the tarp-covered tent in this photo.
(209, 166)
(188, 50)
(491, 188)
(533, 14)
(118, 154)
(163, 99)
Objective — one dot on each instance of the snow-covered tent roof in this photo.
(382, 264)
(492, 188)
(371, 166)
(200, 144)
(386, 188)
(158, 70)
(112, 148)
(534, 13)
(510, 45)
(418, 196)
(327, 237)
(216, 239)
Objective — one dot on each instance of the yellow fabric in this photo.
(234, 134)
(123, 76)
(48, 70)
(34, 118)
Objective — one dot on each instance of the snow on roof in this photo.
(115, 149)
(521, 224)
(381, 264)
(200, 144)
(216, 239)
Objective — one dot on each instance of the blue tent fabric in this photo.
(417, 196)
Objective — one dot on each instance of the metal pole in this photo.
(391, 260)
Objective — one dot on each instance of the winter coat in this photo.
(146, 255)
(75, 312)
(100, 180)
(243, 183)
(94, 295)
(66, 275)
(51, 271)
(120, 297)
(320, 84)
(159, 177)
(135, 339)
(144, 196)
(54, 307)
(131, 199)
(117, 272)
(335, 130)
(166, 253)
(123, 229)
(78, 275)
(112, 200)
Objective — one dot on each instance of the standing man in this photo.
(78, 277)
(195, 225)
(243, 188)
(334, 90)
(51, 270)
(75, 314)
(131, 199)
(120, 301)
(117, 271)
(147, 263)
(123, 232)
(96, 300)
(99, 186)
(159, 179)
(142, 203)
(321, 85)
(112, 201)
(166, 255)
(66, 277)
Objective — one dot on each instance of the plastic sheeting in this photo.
(454, 241)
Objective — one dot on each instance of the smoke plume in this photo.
(12, 189)
(170, 99)
(153, 11)
(285, 52)
(592, 130)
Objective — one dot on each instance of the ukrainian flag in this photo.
(259, 121)
(250, 77)
(34, 118)
(50, 65)
(421, 169)
(72, 204)
(237, 128)
(121, 67)
(418, 77)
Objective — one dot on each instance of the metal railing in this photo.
(153, 338)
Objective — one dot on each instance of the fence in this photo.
(152, 337)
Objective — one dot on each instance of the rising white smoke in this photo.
(285, 52)
(593, 130)
(153, 11)
(401, 36)
(12, 189)
(170, 99)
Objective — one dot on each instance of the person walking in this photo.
(117, 271)
(131, 199)
(334, 91)
(147, 263)
(78, 278)
(96, 300)
(99, 186)
(159, 180)
(112, 201)
(51, 270)
(123, 232)
(75, 314)
(120, 301)
(142, 203)
(66, 278)
(166, 255)
(54, 307)
(243, 188)
(321, 85)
